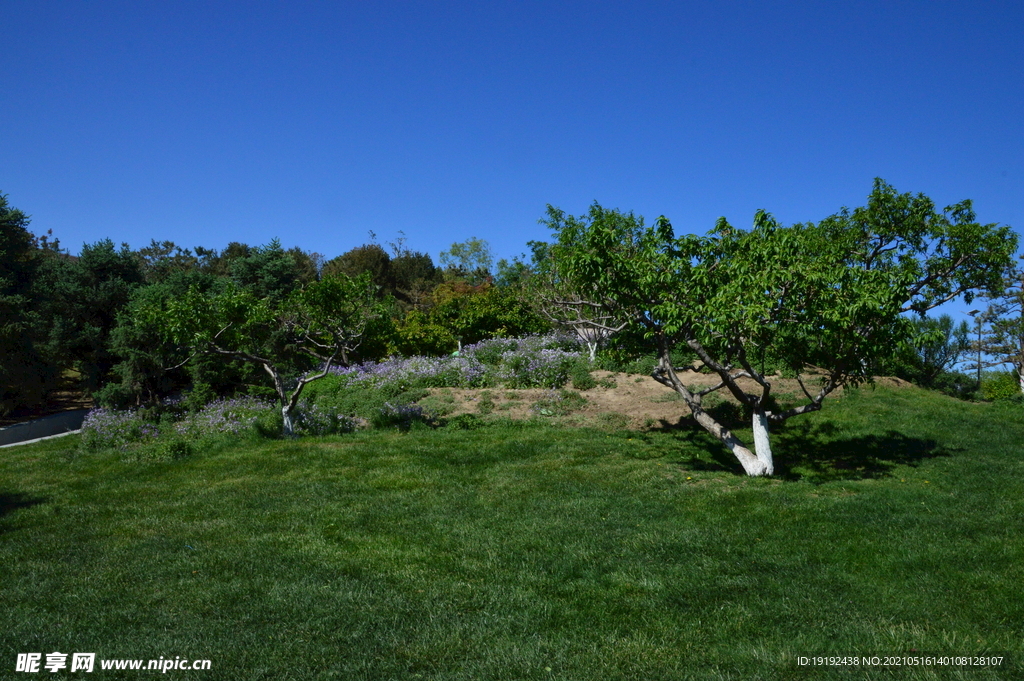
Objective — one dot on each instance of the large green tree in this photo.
(832, 295)
(295, 339)
(79, 299)
(24, 375)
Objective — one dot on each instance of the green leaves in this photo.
(829, 294)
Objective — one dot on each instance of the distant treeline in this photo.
(66, 321)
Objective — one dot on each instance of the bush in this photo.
(581, 378)
(531, 362)
(314, 419)
(955, 384)
(465, 422)
(177, 448)
(233, 416)
(400, 416)
(1000, 385)
(112, 429)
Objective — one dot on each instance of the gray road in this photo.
(54, 425)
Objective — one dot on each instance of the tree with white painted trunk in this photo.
(296, 339)
(831, 295)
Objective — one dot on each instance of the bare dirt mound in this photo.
(620, 400)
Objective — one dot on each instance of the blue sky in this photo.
(318, 122)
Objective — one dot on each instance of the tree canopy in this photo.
(295, 340)
(830, 295)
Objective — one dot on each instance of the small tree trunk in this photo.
(752, 464)
(1020, 376)
(289, 423)
(762, 442)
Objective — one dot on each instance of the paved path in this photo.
(55, 425)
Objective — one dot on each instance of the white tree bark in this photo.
(289, 423)
(752, 465)
(762, 442)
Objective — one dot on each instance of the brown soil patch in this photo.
(636, 401)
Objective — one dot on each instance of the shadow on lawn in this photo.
(815, 452)
(12, 501)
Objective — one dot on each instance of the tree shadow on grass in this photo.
(814, 452)
(703, 452)
(12, 501)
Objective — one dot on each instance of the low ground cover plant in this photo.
(541, 361)
(372, 394)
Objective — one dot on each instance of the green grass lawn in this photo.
(895, 527)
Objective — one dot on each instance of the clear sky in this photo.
(317, 122)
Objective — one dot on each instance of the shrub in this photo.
(530, 362)
(177, 448)
(225, 416)
(400, 416)
(581, 378)
(1000, 385)
(109, 428)
(465, 422)
(314, 419)
(955, 384)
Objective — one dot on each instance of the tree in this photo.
(938, 344)
(830, 295)
(1004, 339)
(161, 259)
(141, 375)
(24, 376)
(470, 259)
(368, 258)
(558, 299)
(295, 340)
(80, 298)
(472, 313)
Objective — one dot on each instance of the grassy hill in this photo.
(524, 550)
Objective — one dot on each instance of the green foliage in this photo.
(465, 422)
(398, 416)
(581, 378)
(25, 376)
(414, 276)
(80, 300)
(956, 384)
(338, 395)
(485, 402)
(163, 259)
(368, 259)
(935, 346)
(1000, 385)
(1003, 324)
(416, 334)
(268, 272)
(830, 295)
(468, 259)
(475, 313)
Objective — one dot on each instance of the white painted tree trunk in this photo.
(762, 441)
(289, 423)
(752, 465)
(1020, 376)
